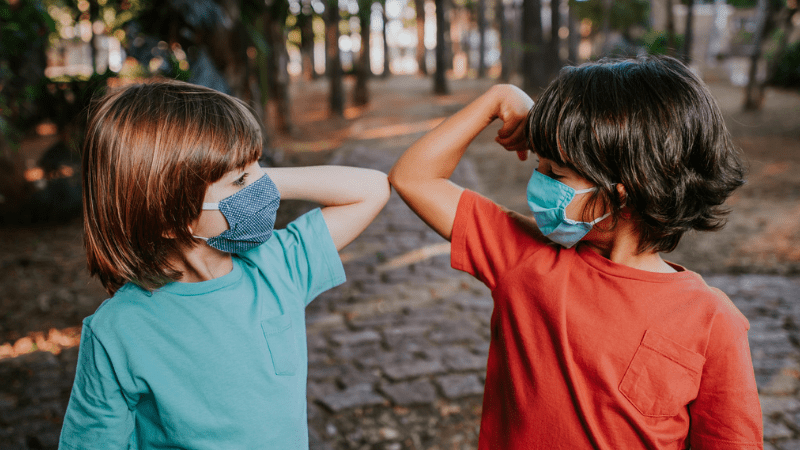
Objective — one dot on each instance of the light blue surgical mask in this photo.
(250, 214)
(548, 199)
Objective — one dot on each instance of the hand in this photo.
(513, 107)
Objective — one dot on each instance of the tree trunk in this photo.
(278, 75)
(606, 27)
(306, 24)
(439, 80)
(554, 56)
(422, 63)
(481, 38)
(574, 39)
(688, 34)
(505, 48)
(228, 52)
(361, 91)
(670, 29)
(533, 72)
(334, 63)
(386, 67)
(754, 91)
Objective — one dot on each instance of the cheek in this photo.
(210, 224)
(575, 209)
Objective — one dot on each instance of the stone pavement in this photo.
(397, 355)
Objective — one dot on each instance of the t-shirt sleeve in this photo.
(487, 239)
(309, 255)
(97, 415)
(727, 411)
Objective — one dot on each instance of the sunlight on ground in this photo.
(398, 130)
(52, 341)
(415, 256)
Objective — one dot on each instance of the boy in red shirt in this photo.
(597, 342)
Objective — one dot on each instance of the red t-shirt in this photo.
(589, 354)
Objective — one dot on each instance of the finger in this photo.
(518, 134)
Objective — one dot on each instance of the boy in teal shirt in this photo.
(203, 343)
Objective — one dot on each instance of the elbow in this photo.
(379, 188)
(398, 180)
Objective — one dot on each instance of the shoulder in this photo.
(307, 230)
(121, 312)
(724, 324)
(476, 208)
(728, 311)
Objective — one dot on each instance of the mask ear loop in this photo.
(207, 207)
(586, 191)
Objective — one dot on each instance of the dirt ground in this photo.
(45, 290)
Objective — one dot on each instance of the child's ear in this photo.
(170, 234)
(625, 212)
(623, 196)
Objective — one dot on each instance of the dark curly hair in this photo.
(651, 125)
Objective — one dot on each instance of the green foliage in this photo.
(743, 3)
(24, 31)
(787, 71)
(22, 27)
(624, 13)
(657, 42)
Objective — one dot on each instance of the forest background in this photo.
(326, 91)
(56, 54)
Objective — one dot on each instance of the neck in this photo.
(621, 246)
(202, 263)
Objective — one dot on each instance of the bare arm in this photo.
(421, 175)
(351, 197)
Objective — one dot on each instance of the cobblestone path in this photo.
(397, 355)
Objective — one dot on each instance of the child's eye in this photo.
(554, 176)
(240, 181)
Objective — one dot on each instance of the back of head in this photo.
(651, 125)
(150, 152)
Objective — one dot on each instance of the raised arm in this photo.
(351, 197)
(421, 175)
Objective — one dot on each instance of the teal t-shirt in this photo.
(219, 364)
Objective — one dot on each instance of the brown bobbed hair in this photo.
(650, 124)
(151, 150)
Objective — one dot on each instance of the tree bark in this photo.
(574, 39)
(278, 75)
(363, 71)
(533, 71)
(481, 38)
(306, 23)
(334, 62)
(688, 34)
(670, 29)
(386, 66)
(419, 6)
(554, 57)
(505, 48)
(754, 91)
(606, 27)
(439, 80)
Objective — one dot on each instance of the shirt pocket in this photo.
(281, 343)
(663, 376)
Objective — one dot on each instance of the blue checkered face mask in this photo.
(250, 214)
(548, 199)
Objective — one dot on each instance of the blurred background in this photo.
(356, 82)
